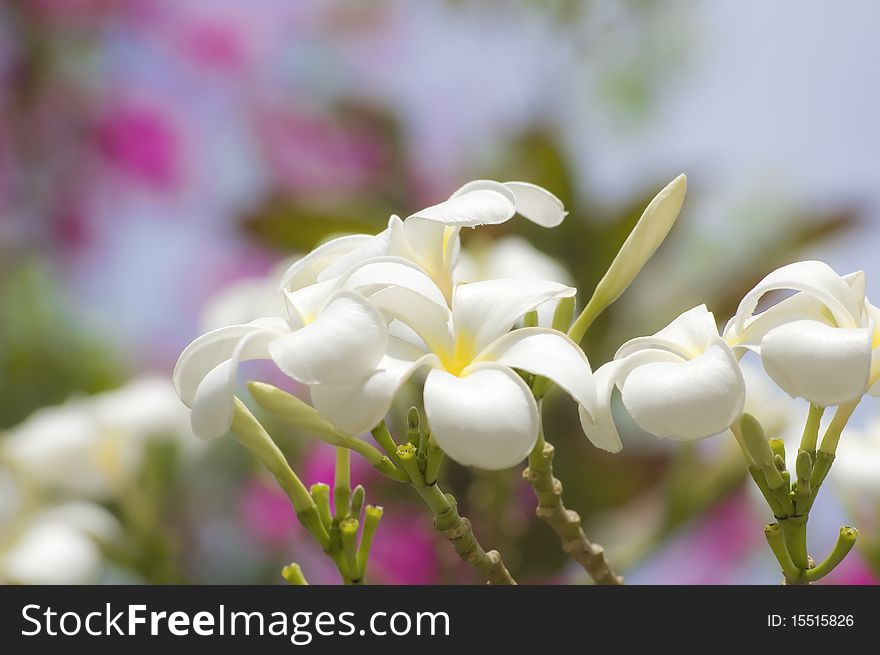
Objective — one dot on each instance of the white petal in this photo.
(344, 343)
(487, 418)
(431, 245)
(358, 408)
(213, 404)
(304, 305)
(376, 246)
(401, 290)
(549, 353)
(598, 424)
(482, 202)
(814, 278)
(537, 204)
(687, 400)
(823, 364)
(483, 311)
(212, 348)
(689, 334)
(305, 271)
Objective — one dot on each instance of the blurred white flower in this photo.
(683, 382)
(60, 545)
(857, 464)
(511, 258)
(93, 445)
(819, 344)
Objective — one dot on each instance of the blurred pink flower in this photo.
(404, 549)
(319, 464)
(311, 155)
(142, 143)
(267, 513)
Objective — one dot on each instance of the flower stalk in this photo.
(565, 522)
(455, 528)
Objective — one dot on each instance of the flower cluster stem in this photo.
(565, 522)
(455, 528)
(791, 503)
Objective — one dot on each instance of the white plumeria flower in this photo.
(92, 446)
(334, 333)
(331, 334)
(59, 545)
(431, 237)
(480, 410)
(684, 383)
(820, 344)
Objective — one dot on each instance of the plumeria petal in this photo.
(482, 202)
(213, 404)
(401, 290)
(599, 425)
(483, 311)
(814, 278)
(822, 364)
(358, 408)
(549, 353)
(686, 400)
(688, 334)
(212, 348)
(487, 418)
(306, 271)
(530, 200)
(345, 342)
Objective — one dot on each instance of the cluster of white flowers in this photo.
(360, 314)
(684, 382)
(61, 464)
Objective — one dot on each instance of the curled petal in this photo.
(689, 334)
(813, 278)
(530, 200)
(549, 353)
(537, 204)
(598, 424)
(307, 270)
(823, 364)
(482, 202)
(212, 348)
(686, 400)
(213, 404)
(483, 311)
(357, 408)
(344, 343)
(487, 418)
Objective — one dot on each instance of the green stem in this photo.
(342, 483)
(835, 429)
(321, 496)
(372, 516)
(456, 529)
(348, 529)
(846, 539)
(777, 544)
(794, 531)
(810, 437)
(565, 522)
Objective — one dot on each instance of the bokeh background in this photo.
(155, 152)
